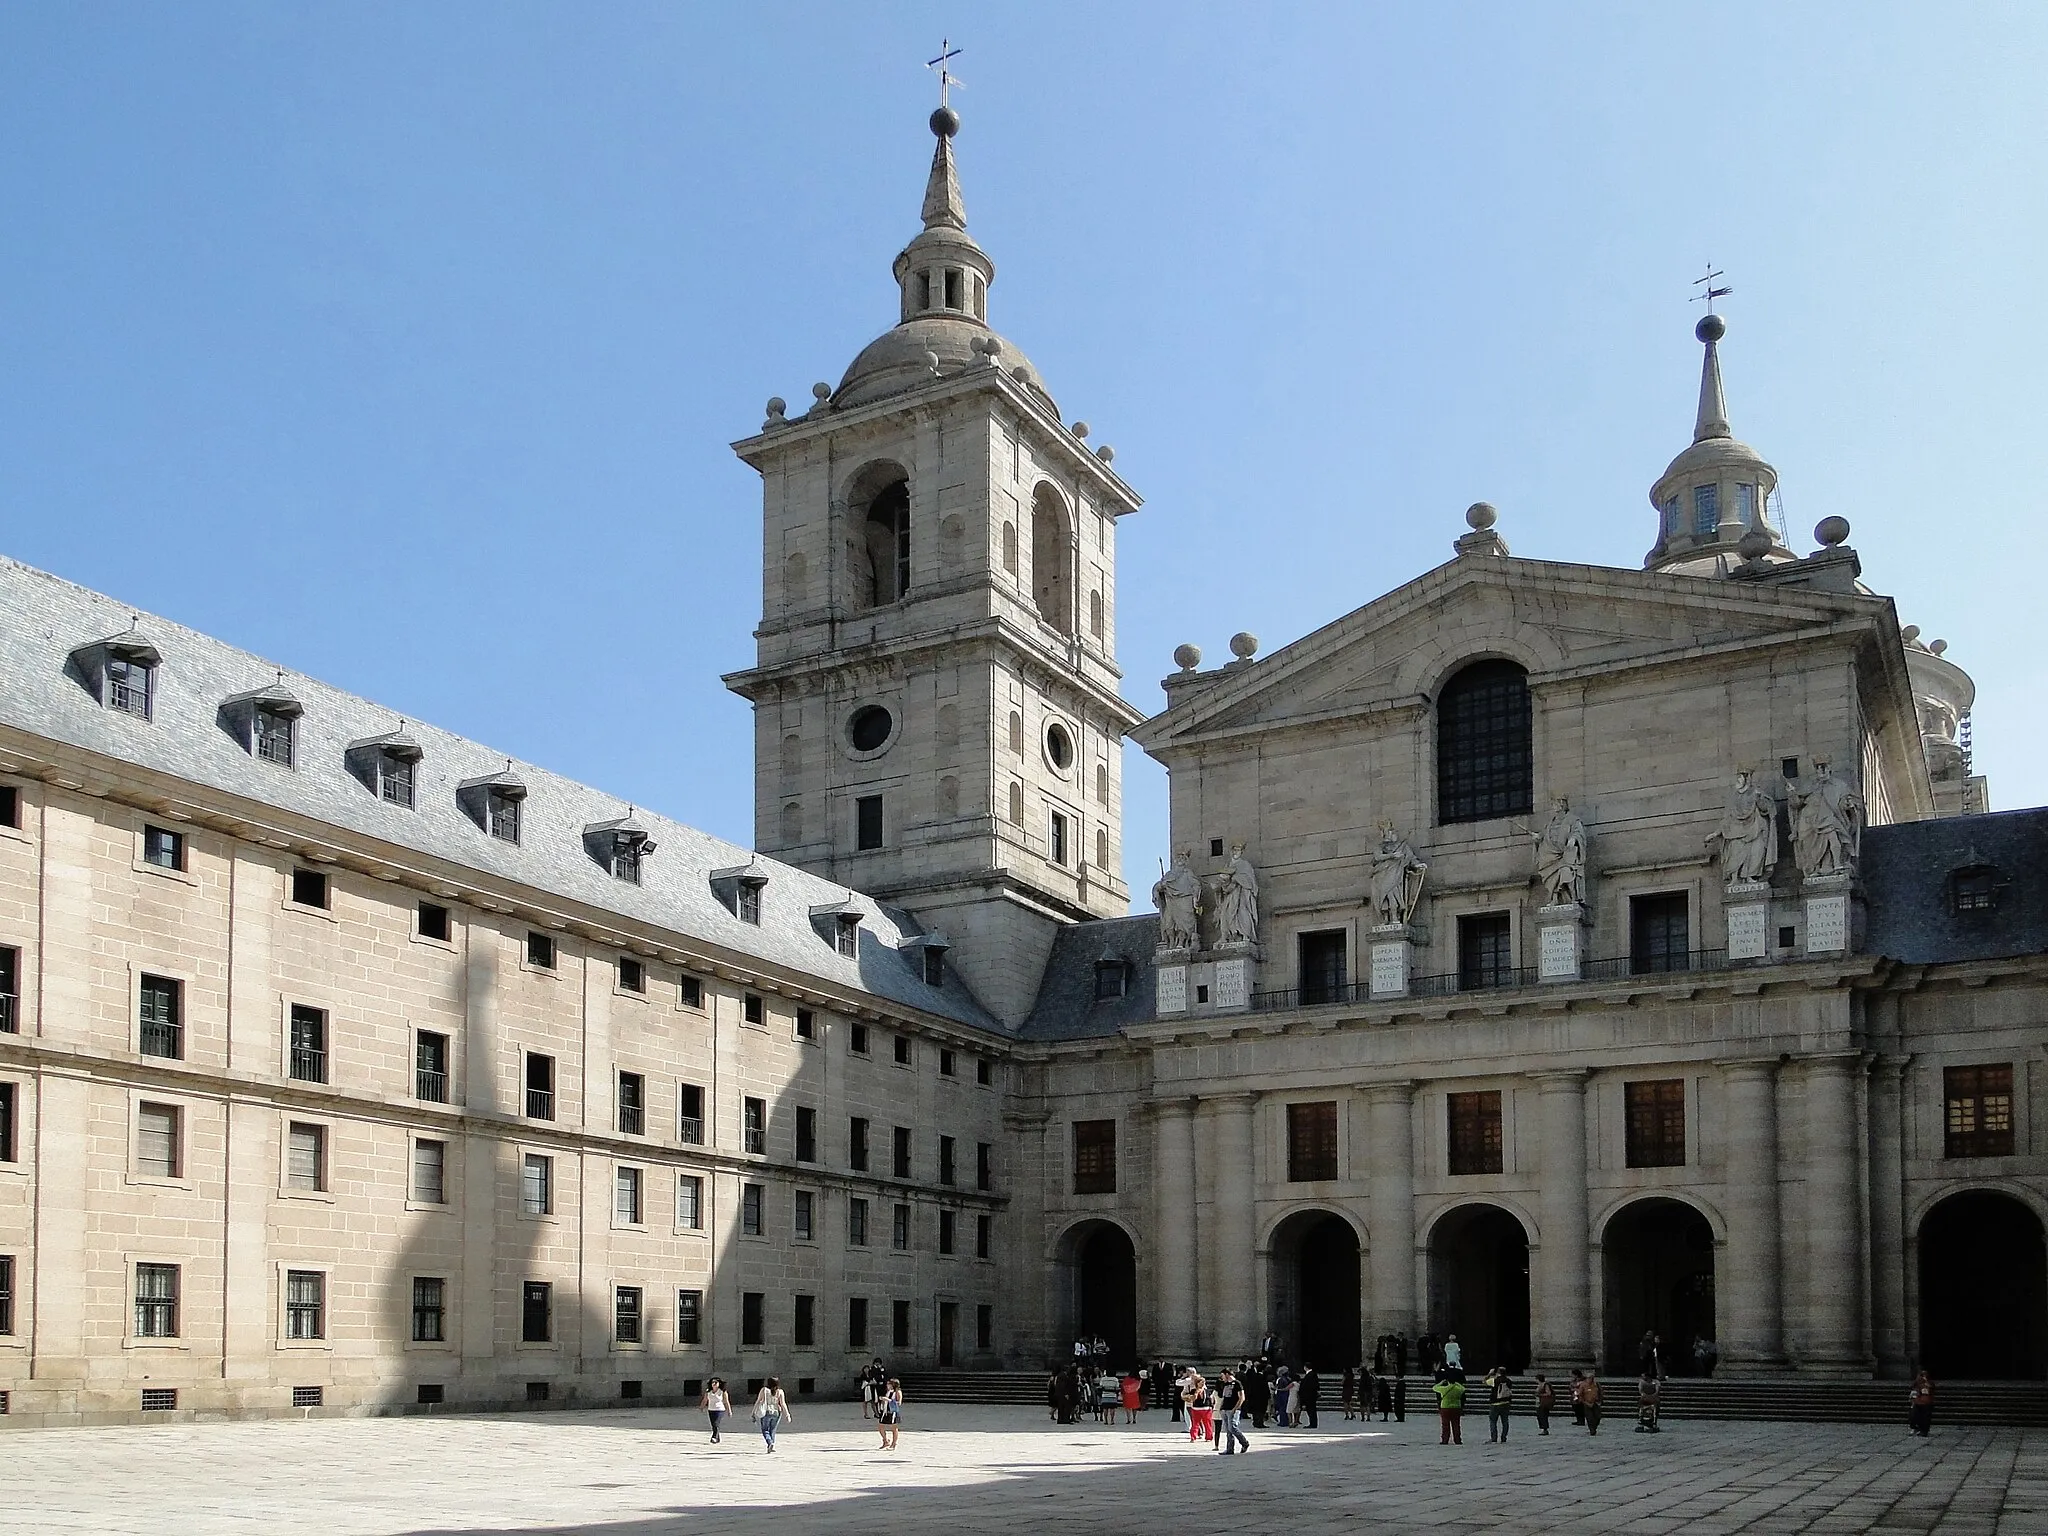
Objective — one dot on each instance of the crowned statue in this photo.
(1397, 875)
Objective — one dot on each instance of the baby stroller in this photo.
(1646, 1406)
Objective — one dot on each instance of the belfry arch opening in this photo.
(1314, 1291)
(1097, 1291)
(1052, 575)
(1983, 1289)
(1479, 1286)
(1658, 1274)
(878, 537)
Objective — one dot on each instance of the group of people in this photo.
(1086, 1389)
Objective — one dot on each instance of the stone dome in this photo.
(895, 360)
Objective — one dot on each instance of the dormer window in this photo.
(846, 937)
(265, 722)
(1112, 977)
(120, 672)
(748, 905)
(129, 685)
(494, 803)
(929, 952)
(387, 766)
(739, 888)
(622, 847)
(272, 734)
(501, 816)
(1975, 888)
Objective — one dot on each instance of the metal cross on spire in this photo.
(947, 80)
(1711, 293)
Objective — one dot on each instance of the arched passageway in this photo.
(1479, 1286)
(1315, 1290)
(1100, 1268)
(1659, 1278)
(1983, 1289)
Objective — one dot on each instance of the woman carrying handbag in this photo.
(771, 1408)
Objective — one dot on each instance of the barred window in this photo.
(1485, 958)
(6, 1295)
(305, 1304)
(308, 1044)
(1094, 1157)
(1475, 1135)
(1311, 1141)
(626, 1314)
(1484, 758)
(689, 1317)
(540, 1086)
(690, 1114)
(1655, 1123)
(429, 1310)
(430, 1067)
(1978, 1104)
(156, 1301)
(632, 1104)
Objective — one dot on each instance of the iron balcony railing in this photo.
(432, 1086)
(540, 1104)
(8, 1022)
(1622, 967)
(308, 1064)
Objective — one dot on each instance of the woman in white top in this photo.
(716, 1404)
(771, 1408)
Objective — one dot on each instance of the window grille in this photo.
(689, 1317)
(632, 1104)
(309, 1044)
(1978, 1119)
(1484, 758)
(429, 1310)
(1654, 1117)
(1475, 1134)
(156, 1302)
(626, 1316)
(1706, 510)
(162, 1023)
(1094, 1157)
(159, 1399)
(1311, 1141)
(308, 1397)
(540, 1086)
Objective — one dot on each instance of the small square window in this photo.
(690, 992)
(753, 1010)
(540, 951)
(537, 1391)
(1215, 847)
(1786, 936)
(631, 1389)
(163, 848)
(434, 922)
(857, 1040)
(806, 1024)
(309, 889)
(432, 1394)
(632, 975)
(903, 1050)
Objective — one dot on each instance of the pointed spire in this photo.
(1713, 415)
(943, 208)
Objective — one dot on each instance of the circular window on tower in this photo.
(869, 729)
(1059, 746)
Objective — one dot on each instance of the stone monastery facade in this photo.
(1549, 953)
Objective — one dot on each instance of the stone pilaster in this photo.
(1231, 1329)
(1390, 1109)
(1032, 1337)
(1174, 1255)
(1563, 1317)
(1836, 1342)
(1888, 1217)
(1752, 1311)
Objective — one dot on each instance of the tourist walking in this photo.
(889, 1413)
(1546, 1399)
(1201, 1411)
(1450, 1410)
(1500, 1398)
(771, 1410)
(1589, 1390)
(716, 1405)
(1920, 1415)
(1231, 1401)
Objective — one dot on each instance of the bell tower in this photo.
(936, 716)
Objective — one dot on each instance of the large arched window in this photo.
(878, 537)
(1484, 760)
(1051, 574)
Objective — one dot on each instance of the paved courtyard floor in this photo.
(652, 1473)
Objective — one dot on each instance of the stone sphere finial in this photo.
(993, 346)
(821, 391)
(1480, 516)
(1710, 328)
(1187, 657)
(1079, 429)
(1244, 645)
(931, 361)
(1938, 646)
(945, 122)
(777, 407)
(1106, 453)
(1910, 633)
(1754, 545)
(1832, 531)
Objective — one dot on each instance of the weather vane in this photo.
(947, 80)
(1712, 293)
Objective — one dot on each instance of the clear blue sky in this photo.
(402, 343)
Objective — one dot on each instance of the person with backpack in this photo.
(1500, 1398)
(1920, 1413)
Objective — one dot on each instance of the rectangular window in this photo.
(156, 1301)
(752, 1009)
(632, 1104)
(540, 951)
(746, 902)
(129, 684)
(806, 1024)
(753, 1319)
(536, 1312)
(984, 1235)
(1745, 504)
(856, 1322)
(984, 1165)
(273, 736)
(435, 922)
(690, 1114)
(1094, 1157)
(899, 1333)
(856, 1222)
(158, 1145)
(501, 815)
(857, 1144)
(626, 1196)
(1311, 1142)
(632, 975)
(6, 1295)
(1978, 1111)
(626, 1314)
(1322, 956)
(899, 1227)
(1655, 1123)
(984, 1326)
(163, 848)
(754, 1125)
(7, 1108)
(1058, 838)
(689, 1317)
(430, 1172)
(10, 806)
(945, 1232)
(306, 1157)
(309, 1044)
(10, 991)
(751, 1196)
(394, 778)
(804, 1224)
(305, 1304)
(984, 1071)
(946, 1159)
(847, 939)
(902, 1151)
(903, 1056)
(806, 1134)
(1706, 510)
(690, 1202)
(430, 1067)
(161, 1006)
(690, 992)
(537, 1185)
(934, 969)
(867, 815)
(1475, 1132)
(540, 1086)
(804, 1326)
(310, 889)
(1658, 934)
(949, 1063)
(857, 1040)
(429, 1310)
(1485, 958)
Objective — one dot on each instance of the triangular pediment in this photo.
(1557, 620)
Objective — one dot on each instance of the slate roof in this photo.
(44, 619)
(1906, 870)
(1067, 1008)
